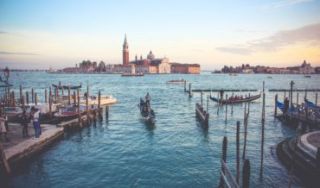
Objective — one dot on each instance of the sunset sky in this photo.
(61, 33)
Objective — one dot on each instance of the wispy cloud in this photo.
(3, 32)
(16, 53)
(285, 3)
(309, 33)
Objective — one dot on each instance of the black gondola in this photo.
(235, 100)
(146, 111)
(66, 86)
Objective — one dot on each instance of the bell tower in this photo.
(125, 52)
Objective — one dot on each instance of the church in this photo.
(149, 65)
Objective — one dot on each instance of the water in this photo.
(176, 152)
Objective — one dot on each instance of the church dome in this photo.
(150, 56)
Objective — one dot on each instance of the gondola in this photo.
(234, 101)
(181, 81)
(66, 86)
(146, 111)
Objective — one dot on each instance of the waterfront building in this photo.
(185, 68)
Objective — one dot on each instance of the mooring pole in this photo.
(27, 97)
(275, 105)
(232, 104)
(238, 151)
(305, 93)
(245, 133)
(297, 98)
(99, 104)
(185, 86)
(45, 96)
(13, 99)
(316, 100)
(201, 99)
(35, 98)
(69, 100)
(224, 159)
(50, 102)
(246, 174)
(291, 93)
(190, 92)
(74, 98)
(207, 103)
(32, 95)
(78, 106)
(107, 112)
(226, 114)
(87, 102)
(262, 134)
(20, 94)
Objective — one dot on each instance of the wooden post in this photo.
(45, 96)
(32, 95)
(35, 98)
(99, 100)
(238, 151)
(185, 86)
(245, 125)
(262, 134)
(21, 94)
(226, 114)
(246, 174)
(87, 103)
(201, 99)
(4, 160)
(22, 102)
(107, 112)
(275, 105)
(74, 98)
(291, 93)
(232, 105)
(13, 99)
(297, 98)
(285, 94)
(305, 93)
(316, 100)
(78, 105)
(190, 92)
(27, 97)
(69, 100)
(207, 103)
(224, 158)
(50, 102)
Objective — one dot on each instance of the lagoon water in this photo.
(177, 152)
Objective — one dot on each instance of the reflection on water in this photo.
(123, 151)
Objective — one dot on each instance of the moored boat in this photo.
(132, 74)
(176, 81)
(236, 99)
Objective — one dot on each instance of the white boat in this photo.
(105, 100)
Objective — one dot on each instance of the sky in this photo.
(62, 33)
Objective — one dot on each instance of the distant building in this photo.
(185, 68)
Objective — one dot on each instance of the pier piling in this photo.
(185, 86)
(35, 98)
(246, 174)
(50, 103)
(20, 89)
(69, 99)
(316, 100)
(32, 95)
(27, 97)
(190, 91)
(238, 151)
(297, 98)
(78, 106)
(275, 105)
(46, 96)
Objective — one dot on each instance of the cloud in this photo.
(16, 53)
(3, 32)
(309, 33)
(285, 3)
